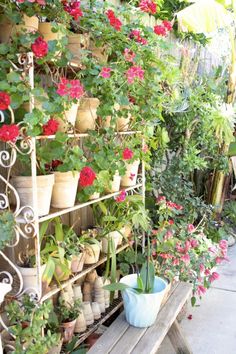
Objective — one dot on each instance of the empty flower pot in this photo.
(67, 330)
(24, 187)
(92, 253)
(64, 189)
(130, 177)
(45, 29)
(141, 309)
(87, 114)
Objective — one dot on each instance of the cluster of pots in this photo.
(94, 302)
(59, 189)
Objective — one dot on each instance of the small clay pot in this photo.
(67, 330)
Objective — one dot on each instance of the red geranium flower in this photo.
(121, 197)
(73, 8)
(160, 30)
(136, 35)
(148, 6)
(70, 88)
(106, 73)
(167, 25)
(87, 177)
(114, 21)
(9, 133)
(39, 47)
(127, 154)
(51, 127)
(134, 72)
(5, 100)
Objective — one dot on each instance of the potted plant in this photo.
(65, 159)
(67, 316)
(142, 293)
(92, 246)
(27, 321)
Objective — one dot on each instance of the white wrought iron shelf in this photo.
(85, 135)
(81, 274)
(57, 212)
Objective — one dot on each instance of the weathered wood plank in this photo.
(178, 340)
(154, 335)
(128, 341)
(106, 342)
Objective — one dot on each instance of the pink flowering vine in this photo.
(148, 6)
(135, 72)
(70, 88)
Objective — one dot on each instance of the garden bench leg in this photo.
(178, 340)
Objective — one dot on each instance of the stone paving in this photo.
(212, 329)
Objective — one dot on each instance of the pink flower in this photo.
(70, 88)
(160, 30)
(175, 261)
(207, 272)
(148, 6)
(129, 55)
(219, 260)
(87, 177)
(194, 243)
(132, 176)
(187, 246)
(136, 35)
(185, 258)
(39, 47)
(133, 73)
(145, 148)
(160, 198)
(121, 197)
(190, 228)
(167, 25)
(171, 222)
(179, 248)
(106, 73)
(202, 268)
(190, 317)
(40, 2)
(127, 154)
(214, 276)
(114, 21)
(201, 290)
(166, 255)
(223, 244)
(73, 9)
(212, 249)
(168, 235)
(154, 232)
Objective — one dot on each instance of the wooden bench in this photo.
(121, 338)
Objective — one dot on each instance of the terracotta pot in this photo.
(91, 276)
(115, 235)
(98, 284)
(23, 185)
(61, 274)
(130, 177)
(122, 123)
(64, 189)
(30, 277)
(67, 124)
(30, 24)
(77, 292)
(67, 297)
(88, 313)
(115, 183)
(80, 325)
(6, 27)
(45, 29)
(98, 52)
(92, 253)
(76, 44)
(56, 349)
(67, 330)
(96, 310)
(77, 263)
(87, 114)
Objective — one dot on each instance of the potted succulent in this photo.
(67, 316)
(65, 159)
(142, 293)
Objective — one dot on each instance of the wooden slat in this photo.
(153, 337)
(105, 343)
(178, 340)
(129, 340)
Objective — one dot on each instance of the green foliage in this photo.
(7, 228)
(67, 312)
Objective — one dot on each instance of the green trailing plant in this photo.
(7, 228)
(67, 312)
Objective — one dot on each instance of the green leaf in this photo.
(13, 77)
(116, 286)
(193, 301)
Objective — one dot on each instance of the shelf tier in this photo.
(116, 305)
(81, 274)
(85, 135)
(57, 212)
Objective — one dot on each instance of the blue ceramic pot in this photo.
(141, 309)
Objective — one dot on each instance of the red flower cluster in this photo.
(163, 29)
(39, 47)
(160, 198)
(121, 197)
(127, 154)
(106, 73)
(172, 205)
(9, 133)
(5, 101)
(114, 21)
(148, 6)
(87, 177)
(136, 35)
(51, 127)
(70, 88)
(133, 73)
(73, 9)
(53, 165)
(129, 55)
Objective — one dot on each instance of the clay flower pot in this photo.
(30, 277)
(87, 114)
(45, 29)
(24, 187)
(115, 183)
(30, 24)
(130, 177)
(76, 43)
(88, 313)
(77, 292)
(77, 263)
(80, 325)
(56, 349)
(92, 253)
(115, 235)
(96, 310)
(67, 124)
(67, 330)
(98, 52)
(64, 189)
